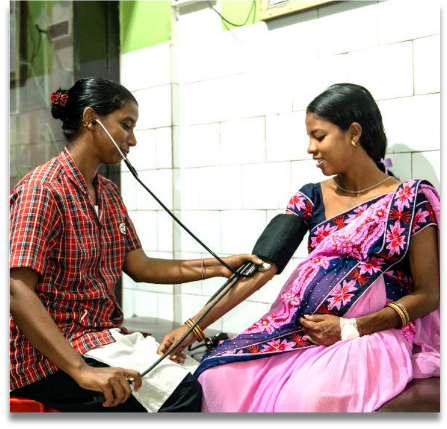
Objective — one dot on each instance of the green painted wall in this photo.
(144, 23)
(148, 23)
(237, 13)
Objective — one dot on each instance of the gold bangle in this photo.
(400, 312)
(197, 330)
(407, 316)
(199, 333)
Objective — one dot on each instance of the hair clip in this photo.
(387, 163)
(57, 97)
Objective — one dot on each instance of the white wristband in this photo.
(348, 329)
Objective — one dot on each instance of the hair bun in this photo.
(58, 100)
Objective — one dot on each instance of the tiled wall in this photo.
(221, 132)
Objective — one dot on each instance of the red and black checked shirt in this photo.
(79, 255)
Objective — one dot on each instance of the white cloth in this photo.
(133, 351)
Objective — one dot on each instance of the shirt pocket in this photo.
(114, 241)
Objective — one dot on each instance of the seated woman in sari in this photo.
(359, 317)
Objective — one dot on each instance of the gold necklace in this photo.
(362, 190)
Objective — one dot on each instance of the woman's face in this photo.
(329, 146)
(120, 124)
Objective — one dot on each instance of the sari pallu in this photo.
(350, 252)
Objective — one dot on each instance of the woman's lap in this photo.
(350, 376)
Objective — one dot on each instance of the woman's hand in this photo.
(171, 338)
(112, 382)
(321, 329)
(236, 261)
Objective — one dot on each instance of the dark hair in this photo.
(345, 103)
(103, 95)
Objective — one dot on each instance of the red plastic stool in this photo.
(21, 405)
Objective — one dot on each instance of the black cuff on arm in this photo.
(280, 239)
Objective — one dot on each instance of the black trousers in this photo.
(61, 392)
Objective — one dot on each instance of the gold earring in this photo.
(85, 123)
(353, 143)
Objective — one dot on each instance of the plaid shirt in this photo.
(55, 230)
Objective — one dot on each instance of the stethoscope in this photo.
(247, 269)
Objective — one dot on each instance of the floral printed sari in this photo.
(347, 255)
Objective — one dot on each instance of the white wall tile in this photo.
(188, 186)
(287, 40)
(178, 316)
(286, 137)
(315, 75)
(164, 147)
(154, 61)
(175, 105)
(146, 304)
(155, 107)
(343, 29)
(209, 58)
(144, 155)
(129, 190)
(165, 232)
(243, 141)
(427, 65)
(205, 225)
(304, 172)
(212, 100)
(265, 90)
(128, 304)
(412, 123)
(128, 283)
(426, 165)
(221, 188)
(165, 306)
(195, 103)
(175, 136)
(386, 71)
(199, 145)
(237, 96)
(198, 22)
(160, 183)
(146, 225)
(241, 229)
(400, 20)
(158, 288)
(401, 166)
(266, 186)
(191, 288)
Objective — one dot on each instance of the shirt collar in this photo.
(73, 172)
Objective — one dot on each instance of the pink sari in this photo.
(271, 368)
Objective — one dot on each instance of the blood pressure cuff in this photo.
(280, 239)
